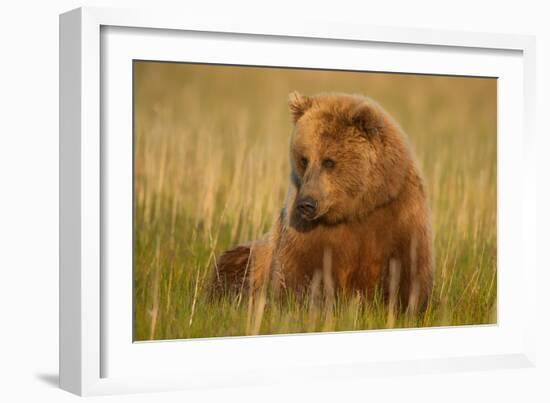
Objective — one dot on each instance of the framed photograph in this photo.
(244, 200)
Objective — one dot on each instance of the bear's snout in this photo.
(307, 207)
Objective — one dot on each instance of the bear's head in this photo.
(347, 158)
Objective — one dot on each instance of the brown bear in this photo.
(356, 210)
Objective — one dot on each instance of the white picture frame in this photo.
(96, 354)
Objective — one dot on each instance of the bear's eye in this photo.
(328, 163)
(303, 162)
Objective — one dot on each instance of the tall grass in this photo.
(211, 171)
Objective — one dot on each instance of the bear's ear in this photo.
(365, 119)
(298, 104)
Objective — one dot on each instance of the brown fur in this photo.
(371, 207)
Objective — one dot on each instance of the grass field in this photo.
(211, 171)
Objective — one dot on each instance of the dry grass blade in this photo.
(156, 285)
(393, 294)
(328, 288)
(414, 288)
(195, 296)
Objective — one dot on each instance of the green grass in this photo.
(211, 171)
